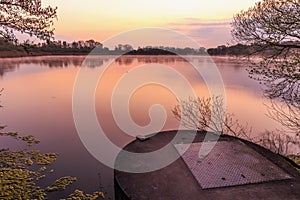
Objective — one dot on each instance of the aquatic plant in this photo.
(20, 171)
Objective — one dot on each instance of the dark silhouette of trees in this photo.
(52, 47)
(270, 23)
(26, 16)
(234, 50)
(273, 28)
(149, 51)
(166, 51)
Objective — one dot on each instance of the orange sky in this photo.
(208, 22)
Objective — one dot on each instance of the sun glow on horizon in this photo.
(100, 19)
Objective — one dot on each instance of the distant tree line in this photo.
(248, 50)
(235, 50)
(167, 51)
(88, 46)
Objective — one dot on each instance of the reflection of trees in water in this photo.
(124, 60)
(128, 60)
(9, 65)
(95, 61)
(160, 59)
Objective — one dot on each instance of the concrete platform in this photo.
(234, 169)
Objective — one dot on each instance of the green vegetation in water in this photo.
(79, 195)
(21, 169)
(61, 183)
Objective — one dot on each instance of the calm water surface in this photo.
(37, 100)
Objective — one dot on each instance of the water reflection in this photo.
(56, 84)
(7, 67)
(12, 64)
(128, 60)
(37, 100)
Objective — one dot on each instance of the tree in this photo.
(287, 115)
(273, 28)
(26, 16)
(274, 23)
(209, 114)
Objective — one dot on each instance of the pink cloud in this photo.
(207, 34)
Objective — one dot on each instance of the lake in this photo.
(37, 100)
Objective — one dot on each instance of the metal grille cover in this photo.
(229, 163)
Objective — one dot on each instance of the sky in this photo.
(206, 21)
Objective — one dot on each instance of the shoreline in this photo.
(21, 54)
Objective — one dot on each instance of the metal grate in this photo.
(229, 163)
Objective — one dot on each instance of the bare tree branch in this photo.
(26, 16)
(209, 114)
(272, 27)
